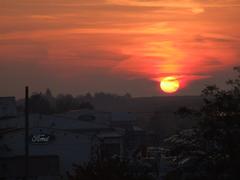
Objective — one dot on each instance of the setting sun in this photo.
(169, 84)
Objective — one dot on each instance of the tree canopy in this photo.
(112, 169)
(211, 150)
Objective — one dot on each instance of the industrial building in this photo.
(58, 141)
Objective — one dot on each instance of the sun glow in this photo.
(169, 84)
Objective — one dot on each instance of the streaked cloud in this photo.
(126, 39)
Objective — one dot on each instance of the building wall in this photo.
(70, 147)
(12, 167)
(7, 107)
(71, 139)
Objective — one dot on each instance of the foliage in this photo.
(111, 169)
(39, 104)
(46, 103)
(211, 150)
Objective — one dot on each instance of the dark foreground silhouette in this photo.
(211, 150)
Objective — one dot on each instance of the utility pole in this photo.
(26, 133)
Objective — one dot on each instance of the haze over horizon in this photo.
(117, 46)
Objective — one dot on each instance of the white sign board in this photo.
(40, 138)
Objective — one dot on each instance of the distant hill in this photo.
(149, 104)
(152, 113)
(155, 114)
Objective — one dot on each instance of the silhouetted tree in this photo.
(46, 103)
(38, 103)
(88, 96)
(48, 93)
(211, 150)
(111, 169)
(64, 102)
(85, 105)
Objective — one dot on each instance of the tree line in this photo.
(47, 103)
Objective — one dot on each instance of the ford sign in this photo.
(40, 138)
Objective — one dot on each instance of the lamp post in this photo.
(26, 133)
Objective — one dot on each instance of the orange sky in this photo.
(117, 46)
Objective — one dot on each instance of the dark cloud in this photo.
(202, 39)
(213, 62)
(99, 55)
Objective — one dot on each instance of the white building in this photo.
(64, 141)
(7, 107)
(125, 120)
(56, 142)
(67, 148)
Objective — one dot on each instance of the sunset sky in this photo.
(117, 46)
